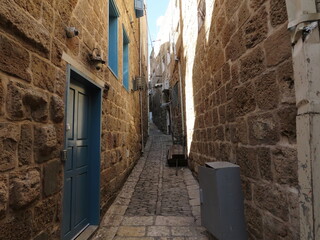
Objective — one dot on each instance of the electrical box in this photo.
(222, 208)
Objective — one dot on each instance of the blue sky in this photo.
(156, 9)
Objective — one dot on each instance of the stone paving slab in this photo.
(154, 203)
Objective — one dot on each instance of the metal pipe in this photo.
(181, 105)
(140, 91)
(302, 14)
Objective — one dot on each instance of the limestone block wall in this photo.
(240, 105)
(32, 104)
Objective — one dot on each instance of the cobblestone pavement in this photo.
(154, 203)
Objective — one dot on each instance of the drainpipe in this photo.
(140, 90)
(181, 105)
(303, 24)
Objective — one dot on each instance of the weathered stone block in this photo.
(239, 132)
(10, 131)
(226, 152)
(278, 12)
(263, 129)
(4, 196)
(56, 54)
(287, 120)
(42, 236)
(228, 31)
(45, 213)
(216, 56)
(73, 45)
(229, 90)
(277, 53)
(45, 139)
(231, 7)
(14, 104)
(226, 72)
(285, 164)
(256, 4)
(217, 81)
(31, 6)
(57, 109)
(244, 100)
(293, 198)
(19, 226)
(254, 221)
(244, 13)
(9, 138)
(47, 16)
(65, 9)
(219, 23)
(246, 188)
(25, 145)
(43, 74)
(51, 177)
(222, 114)
(36, 105)
(264, 160)
(32, 33)
(252, 64)
(236, 46)
(275, 229)
(88, 40)
(235, 74)
(271, 199)
(267, 91)
(286, 82)
(230, 116)
(247, 160)
(24, 188)
(2, 97)
(219, 133)
(256, 29)
(14, 59)
(60, 83)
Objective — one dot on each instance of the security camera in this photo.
(72, 32)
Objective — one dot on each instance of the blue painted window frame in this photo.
(113, 37)
(125, 60)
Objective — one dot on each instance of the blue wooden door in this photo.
(76, 180)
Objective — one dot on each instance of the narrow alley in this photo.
(95, 95)
(154, 203)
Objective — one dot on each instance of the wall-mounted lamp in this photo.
(96, 59)
(72, 32)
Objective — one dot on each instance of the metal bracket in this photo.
(302, 32)
(302, 26)
(310, 17)
(63, 155)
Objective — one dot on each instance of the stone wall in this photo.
(32, 90)
(159, 96)
(240, 105)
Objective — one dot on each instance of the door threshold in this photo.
(87, 232)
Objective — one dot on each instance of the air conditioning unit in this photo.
(166, 85)
(138, 83)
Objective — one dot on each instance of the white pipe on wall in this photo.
(303, 16)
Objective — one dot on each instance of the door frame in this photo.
(95, 92)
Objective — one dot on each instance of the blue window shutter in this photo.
(125, 59)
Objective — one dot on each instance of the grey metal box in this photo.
(222, 211)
